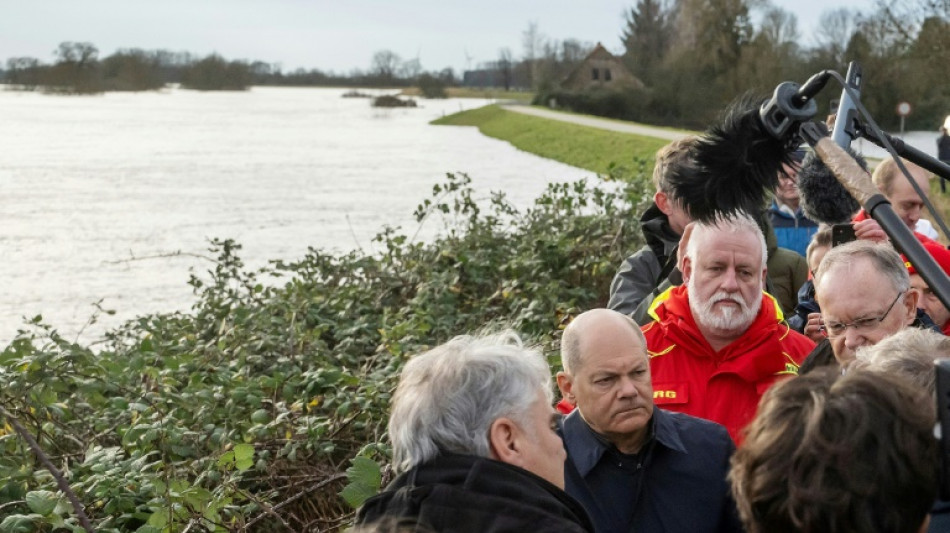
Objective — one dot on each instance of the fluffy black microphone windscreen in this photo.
(736, 163)
(823, 198)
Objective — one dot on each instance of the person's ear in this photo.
(910, 306)
(765, 279)
(565, 383)
(504, 440)
(663, 202)
(687, 268)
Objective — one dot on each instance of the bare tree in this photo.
(385, 64)
(780, 27)
(504, 67)
(533, 42)
(80, 53)
(410, 69)
(835, 29)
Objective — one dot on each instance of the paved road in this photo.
(595, 122)
(922, 140)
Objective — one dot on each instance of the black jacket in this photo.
(646, 274)
(462, 493)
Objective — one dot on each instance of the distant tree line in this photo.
(696, 55)
(693, 56)
(77, 69)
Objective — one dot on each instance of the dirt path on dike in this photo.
(595, 122)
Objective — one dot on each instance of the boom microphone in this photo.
(823, 197)
(737, 161)
(739, 158)
(857, 182)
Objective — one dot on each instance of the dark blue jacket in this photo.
(676, 483)
(806, 306)
(793, 232)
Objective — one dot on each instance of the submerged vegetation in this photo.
(388, 100)
(264, 408)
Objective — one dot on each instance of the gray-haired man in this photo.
(473, 435)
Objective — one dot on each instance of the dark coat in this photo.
(677, 483)
(462, 493)
(650, 271)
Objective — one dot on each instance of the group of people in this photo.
(690, 403)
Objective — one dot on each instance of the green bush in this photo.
(255, 410)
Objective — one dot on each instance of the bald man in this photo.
(632, 466)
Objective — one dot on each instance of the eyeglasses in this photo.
(835, 329)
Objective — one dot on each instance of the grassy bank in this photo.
(580, 146)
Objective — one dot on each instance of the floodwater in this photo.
(111, 198)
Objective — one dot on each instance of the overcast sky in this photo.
(338, 35)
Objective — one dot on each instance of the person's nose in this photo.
(628, 388)
(853, 339)
(730, 281)
(914, 215)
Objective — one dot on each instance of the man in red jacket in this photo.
(926, 298)
(719, 341)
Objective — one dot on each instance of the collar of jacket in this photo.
(657, 232)
(471, 476)
(757, 354)
(585, 447)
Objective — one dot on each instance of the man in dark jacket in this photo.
(635, 467)
(652, 269)
(473, 436)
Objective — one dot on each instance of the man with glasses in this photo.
(864, 293)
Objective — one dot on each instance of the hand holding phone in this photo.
(842, 233)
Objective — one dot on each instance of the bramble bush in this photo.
(265, 407)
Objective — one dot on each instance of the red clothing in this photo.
(725, 386)
(564, 407)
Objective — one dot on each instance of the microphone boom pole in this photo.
(908, 152)
(858, 182)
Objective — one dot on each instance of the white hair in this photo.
(739, 222)
(909, 353)
(448, 397)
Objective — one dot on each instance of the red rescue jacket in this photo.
(725, 386)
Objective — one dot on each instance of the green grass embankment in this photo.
(580, 146)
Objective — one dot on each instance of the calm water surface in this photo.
(88, 183)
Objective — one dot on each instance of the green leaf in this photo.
(158, 520)
(364, 480)
(42, 502)
(226, 458)
(261, 416)
(17, 523)
(243, 456)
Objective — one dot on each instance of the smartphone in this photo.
(841, 233)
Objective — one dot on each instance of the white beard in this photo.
(726, 319)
